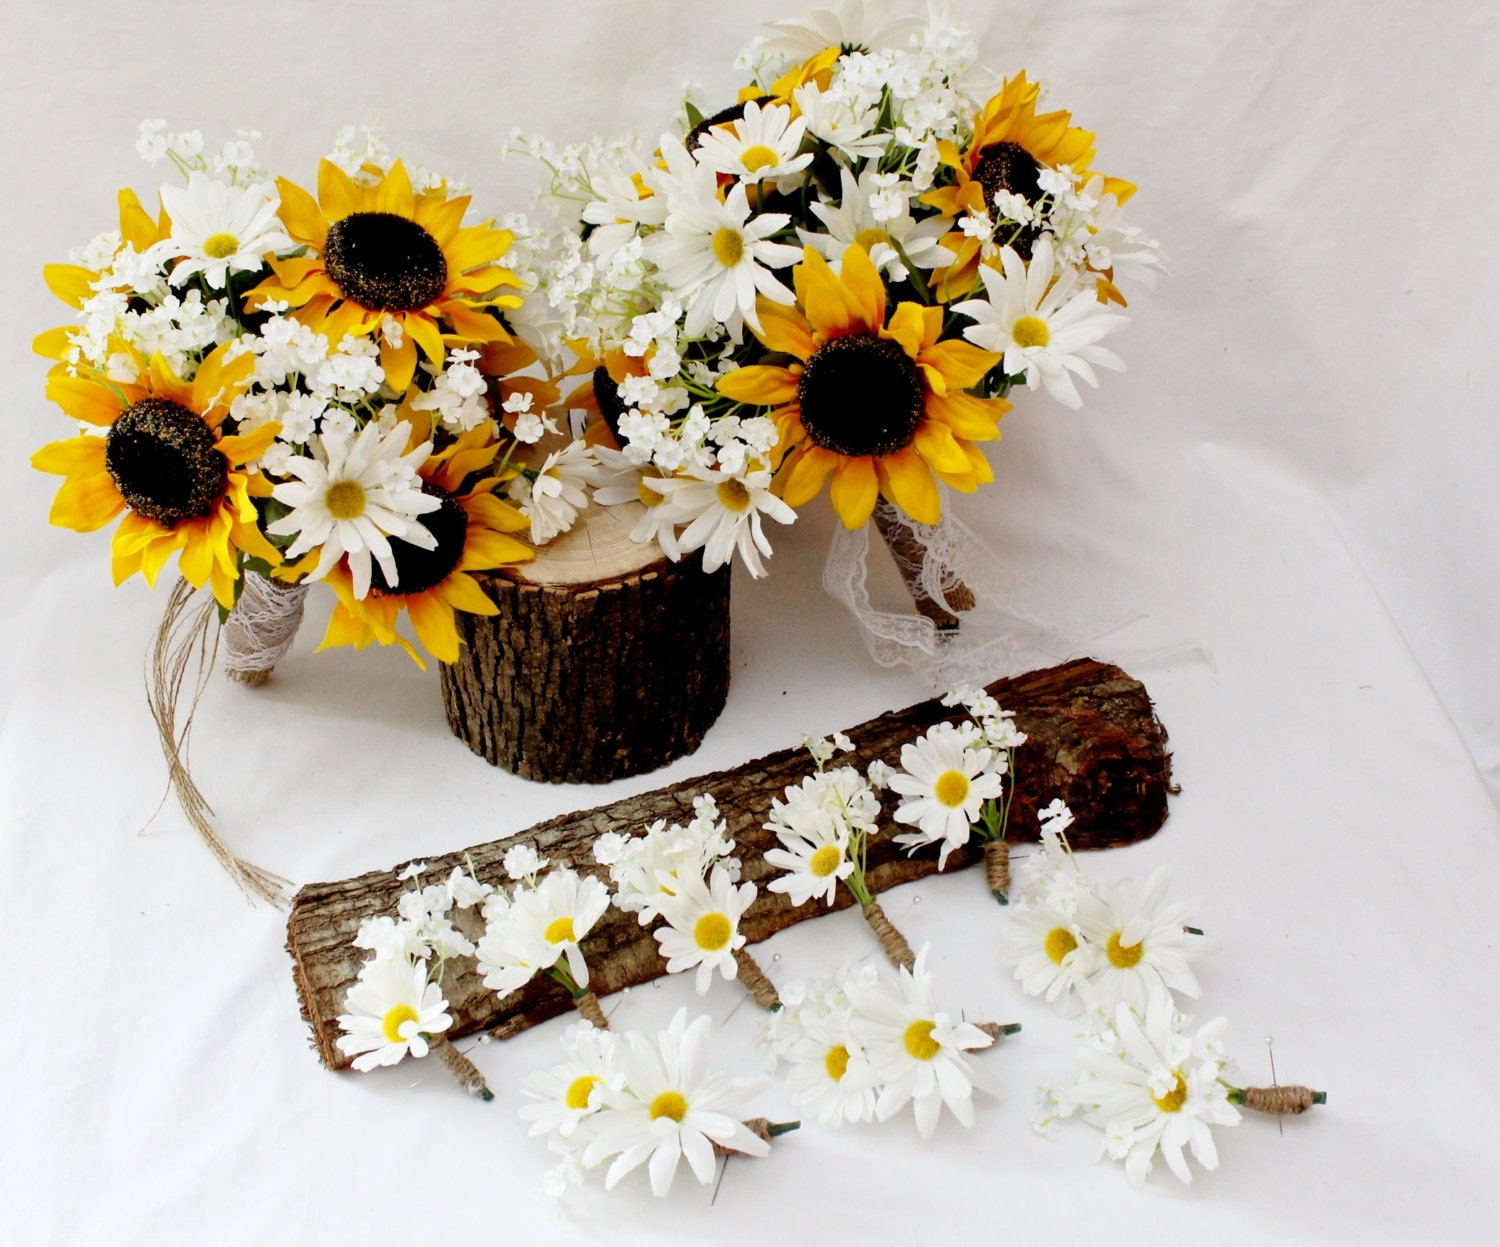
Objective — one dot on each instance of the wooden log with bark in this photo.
(606, 659)
(1094, 741)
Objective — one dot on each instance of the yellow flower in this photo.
(880, 406)
(1009, 146)
(166, 463)
(384, 253)
(472, 535)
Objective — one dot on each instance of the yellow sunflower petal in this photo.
(86, 504)
(399, 362)
(971, 419)
(300, 213)
(462, 592)
(855, 490)
(908, 328)
(394, 194)
(69, 282)
(425, 331)
(246, 446)
(784, 329)
(764, 385)
(935, 442)
(907, 481)
(805, 473)
(441, 217)
(74, 456)
(476, 246)
(473, 326)
(495, 514)
(821, 295)
(432, 620)
(962, 364)
(338, 194)
(136, 226)
(85, 400)
(485, 549)
(866, 291)
(54, 343)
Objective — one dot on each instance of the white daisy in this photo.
(1047, 331)
(351, 495)
(842, 792)
(620, 480)
(814, 853)
(722, 513)
(916, 1051)
(568, 1094)
(555, 498)
(647, 870)
(713, 255)
(703, 925)
(944, 781)
(220, 229)
(669, 1108)
(623, 204)
(830, 1073)
(858, 217)
(538, 928)
(1151, 1085)
(864, 24)
(1142, 941)
(1048, 953)
(393, 1010)
(761, 144)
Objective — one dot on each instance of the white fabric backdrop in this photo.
(1294, 486)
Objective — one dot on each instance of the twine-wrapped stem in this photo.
(894, 943)
(261, 628)
(462, 1069)
(997, 869)
(999, 1030)
(763, 1129)
(761, 989)
(1278, 1101)
(910, 554)
(588, 1004)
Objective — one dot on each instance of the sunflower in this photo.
(1010, 145)
(881, 406)
(471, 530)
(383, 254)
(165, 462)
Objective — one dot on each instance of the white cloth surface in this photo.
(1292, 491)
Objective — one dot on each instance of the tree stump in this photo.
(606, 659)
(1093, 740)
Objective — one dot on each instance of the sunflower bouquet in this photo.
(283, 388)
(835, 280)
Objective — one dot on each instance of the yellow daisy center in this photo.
(711, 932)
(395, 1018)
(919, 1041)
(1030, 331)
(669, 1104)
(825, 861)
(346, 500)
(559, 930)
(729, 247)
(648, 495)
(733, 496)
(579, 1090)
(870, 238)
(759, 157)
(1058, 944)
(951, 789)
(1122, 956)
(220, 246)
(1173, 1101)
(836, 1062)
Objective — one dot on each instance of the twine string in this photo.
(187, 639)
(760, 1127)
(761, 989)
(462, 1069)
(894, 943)
(261, 628)
(1280, 1101)
(909, 551)
(588, 1005)
(997, 867)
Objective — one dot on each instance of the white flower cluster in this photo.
(538, 924)
(636, 1100)
(822, 824)
(397, 1006)
(865, 1042)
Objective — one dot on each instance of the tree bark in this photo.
(1093, 740)
(606, 659)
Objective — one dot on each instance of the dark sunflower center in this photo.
(611, 405)
(1010, 167)
(861, 395)
(385, 262)
(163, 461)
(417, 570)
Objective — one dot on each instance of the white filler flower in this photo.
(220, 229)
(393, 1010)
(670, 1107)
(353, 494)
(1047, 331)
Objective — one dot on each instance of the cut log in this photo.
(1094, 741)
(606, 659)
